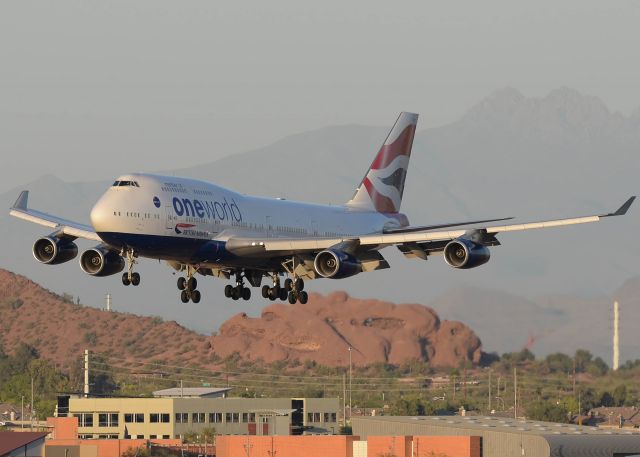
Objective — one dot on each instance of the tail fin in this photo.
(382, 187)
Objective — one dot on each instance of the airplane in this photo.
(199, 227)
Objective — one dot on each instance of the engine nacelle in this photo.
(99, 261)
(54, 251)
(462, 253)
(336, 264)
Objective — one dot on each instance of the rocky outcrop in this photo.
(323, 330)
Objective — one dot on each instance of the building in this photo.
(192, 392)
(499, 436)
(22, 444)
(167, 417)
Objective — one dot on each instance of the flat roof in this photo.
(500, 424)
(177, 392)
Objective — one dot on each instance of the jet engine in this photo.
(462, 253)
(53, 251)
(336, 264)
(100, 261)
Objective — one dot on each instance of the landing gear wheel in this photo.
(135, 279)
(265, 291)
(283, 294)
(288, 284)
(303, 297)
(125, 279)
(184, 296)
(182, 283)
(228, 291)
(195, 296)
(236, 293)
(299, 285)
(246, 293)
(292, 297)
(192, 284)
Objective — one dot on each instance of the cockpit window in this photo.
(126, 184)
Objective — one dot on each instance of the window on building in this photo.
(197, 418)
(154, 418)
(248, 417)
(84, 419)
(140, 437)
(85, 437)
(313, 417)
(215, 418)
(329, 417)
(134, 417)
(153, 437)
(139, 417)
(108, 420)
(182, 418)
(164, 418)
(232, 418)
(166, 437)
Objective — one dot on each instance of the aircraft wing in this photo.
(415, 240)
(65, 227)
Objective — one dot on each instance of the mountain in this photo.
(563, 154)
(322, 331)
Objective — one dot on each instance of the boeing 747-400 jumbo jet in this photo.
(198, 227)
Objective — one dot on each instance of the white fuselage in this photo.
(170, 217)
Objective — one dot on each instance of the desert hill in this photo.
(322, 330)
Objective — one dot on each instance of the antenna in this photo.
(616, 335)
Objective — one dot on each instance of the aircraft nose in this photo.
(99, 216)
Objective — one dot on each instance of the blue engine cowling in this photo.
(336, 264)
(54, 251)
(462, 253)
(99, 261)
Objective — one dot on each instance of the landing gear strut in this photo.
(294, 287)
(276, 291)
(239, 291)
(188, 286)
(130, 277)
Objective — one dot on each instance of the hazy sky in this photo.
(92, 89)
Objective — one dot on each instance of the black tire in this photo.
(182, 283)
(135, 279)
(273, 294)
(184, 296)
(246, 293)
(236, 293)
(288, 283)
(265, 291)
(192, 284)
(228, 291)
(195, 296)
(303, 297)
(292, 298)
(125, 279)
(299, 285)
(283, 295)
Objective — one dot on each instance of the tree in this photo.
(547, 411)
(559, 362)
(136, 452)
(620, 395)
(582, 360)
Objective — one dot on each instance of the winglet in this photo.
(623, 209)
(21, 202)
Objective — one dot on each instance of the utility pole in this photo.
(22, 414)
(86, 373)
(616, 336)
(32, 407)
(515, 393)
(464, 382)
(344, 399)
(108, 302)
(350, 379)
(489, 391)
(454, 388)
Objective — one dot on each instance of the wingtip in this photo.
(625, 206)
(21, 202)
(623, 209)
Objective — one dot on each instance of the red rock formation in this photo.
(324, 329)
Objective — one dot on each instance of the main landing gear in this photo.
(239, 291)
(188, 286)
(130, 277)
(292, 291)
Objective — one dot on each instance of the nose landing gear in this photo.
(130, 277)
(188, 286)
